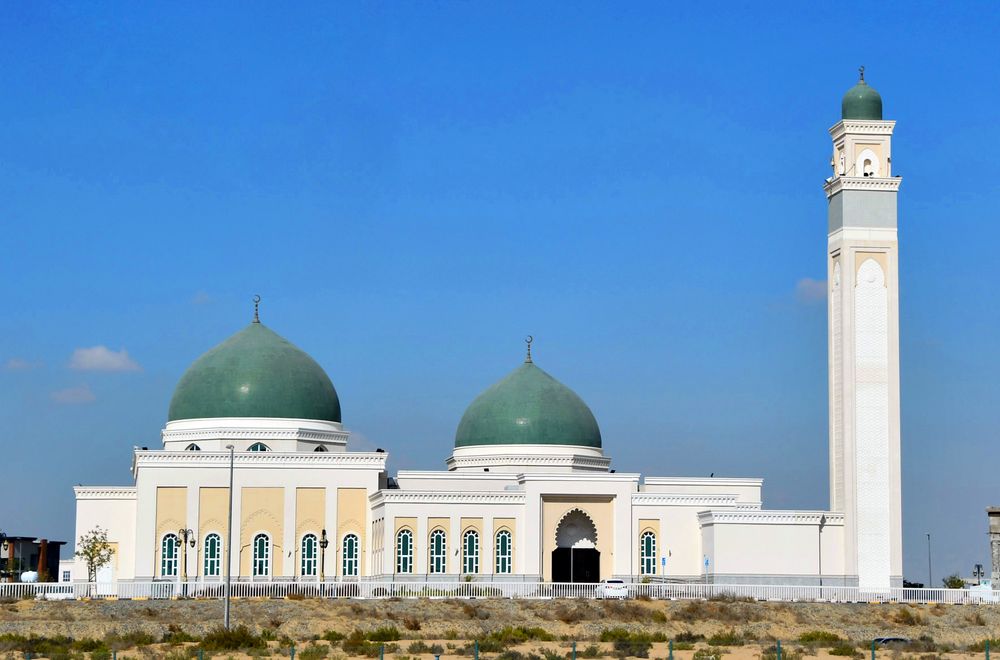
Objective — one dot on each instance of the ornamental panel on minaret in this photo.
(864, 339)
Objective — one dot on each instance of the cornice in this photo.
(694, 499)
(261, 459)
(236, 433)
(489, 460)
(104, 492)
(753, 482)
(874, 183)
(862, 127)
(812, 518)
(439, 497)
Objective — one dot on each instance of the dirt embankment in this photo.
(942, 627)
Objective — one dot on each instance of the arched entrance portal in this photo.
(576, 558)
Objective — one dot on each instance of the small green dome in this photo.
(528, 407)
(861, 102)
(255, 373)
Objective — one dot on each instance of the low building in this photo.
(29, 554)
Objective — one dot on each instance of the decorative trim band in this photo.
(575, 460)
(673, 499)
(438, 497)
(864, 127)
(261, 459)
(236, 433)
(874, 183)
(104, 492)
(715, 517)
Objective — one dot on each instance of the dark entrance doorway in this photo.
(576, 557)
(576, 565)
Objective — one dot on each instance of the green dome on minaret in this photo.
(255, 373)
(528, 407)
(861, 101)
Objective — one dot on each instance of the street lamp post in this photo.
(930, 573)
(229, 534)
(323, 544)
(186, 536)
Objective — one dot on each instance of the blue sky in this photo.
(413, 187)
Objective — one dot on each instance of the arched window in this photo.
(168, 556)
(320, 448)
(192, 447)
(470, 552)
(504, 552)
(309, 555)
(261, 555)
(438, 549)
(259, 446)
(213, 555)
(404, 551)
(350, 555)
(647, 553)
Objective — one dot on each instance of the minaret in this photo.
(863, 276)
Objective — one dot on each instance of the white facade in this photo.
(553, 512)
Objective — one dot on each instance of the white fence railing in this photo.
(529, 590)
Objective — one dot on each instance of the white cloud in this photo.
(808, 290)
(19, 364)
(102, 358)
(74, 395)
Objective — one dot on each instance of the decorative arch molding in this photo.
(576, 529)
(875, 165)
(870, 274)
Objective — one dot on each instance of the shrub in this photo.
(592, 651)
(313, 652)
(298, 595)
(420, 647)
(240, 637)
(411, 623)
(905, 616)
(820, 638)
(771, 653)
(119, 641)
(846, 650)
(683, 646)
(176, 635)
(727, 638)
(709, 654)
(688, 636)
(384, 634)
(333, 636)
(980, 647)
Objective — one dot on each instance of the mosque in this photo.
(528, 493)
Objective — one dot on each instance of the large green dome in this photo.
(528, 407)
(861, 102)
(255, 373)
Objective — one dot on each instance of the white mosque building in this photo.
(527, 493)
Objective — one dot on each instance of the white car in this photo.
(611, 589)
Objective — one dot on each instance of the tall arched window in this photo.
(309, 555)
(438, 550)
(647, 553)
(213, 555)
(470, 552)
(404, 551)
(261, 555)
(350, 555)
(259, 446)
(504, 552)
(168, 556)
